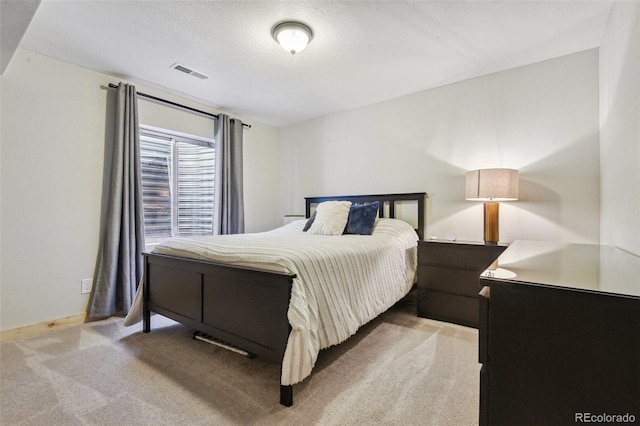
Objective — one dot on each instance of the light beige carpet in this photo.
(398, 369)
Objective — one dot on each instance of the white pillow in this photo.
(331, 218)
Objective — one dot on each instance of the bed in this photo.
(296, 293)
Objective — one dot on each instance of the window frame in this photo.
(174, 137)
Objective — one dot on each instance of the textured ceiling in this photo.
(15, 17)
(362, 52)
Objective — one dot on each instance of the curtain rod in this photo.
(177, 105)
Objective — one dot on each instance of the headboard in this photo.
(387, 204)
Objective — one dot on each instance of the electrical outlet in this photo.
(87, 283)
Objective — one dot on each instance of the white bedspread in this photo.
(342, 281)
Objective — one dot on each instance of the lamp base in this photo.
(491, 220)
(499, 273)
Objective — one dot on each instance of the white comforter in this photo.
(342, 281)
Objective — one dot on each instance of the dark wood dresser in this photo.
(560, 341)
(449, 278)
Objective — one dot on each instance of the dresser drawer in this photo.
(474, 257)
(461, 310)
(447, 280)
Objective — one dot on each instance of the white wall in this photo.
(541, 119)
(620, 128)
(55, 123)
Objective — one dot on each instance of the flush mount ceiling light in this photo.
(292, 36)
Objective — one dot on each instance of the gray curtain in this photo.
(119, 266)
(228, 200)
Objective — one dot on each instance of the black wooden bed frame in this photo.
(243, 307)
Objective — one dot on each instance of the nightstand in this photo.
(449, 279)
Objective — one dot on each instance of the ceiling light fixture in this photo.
(292, 36)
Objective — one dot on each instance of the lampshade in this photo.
(492, 185)
(292, 36)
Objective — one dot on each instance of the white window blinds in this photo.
(178, 173)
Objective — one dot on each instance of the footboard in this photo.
(243, 307)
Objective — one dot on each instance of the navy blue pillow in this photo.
(309, 222)
(362, 218)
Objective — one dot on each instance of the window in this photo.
(177, 183)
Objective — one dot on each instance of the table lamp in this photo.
(491, 186)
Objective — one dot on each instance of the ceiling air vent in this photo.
(189, 71)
